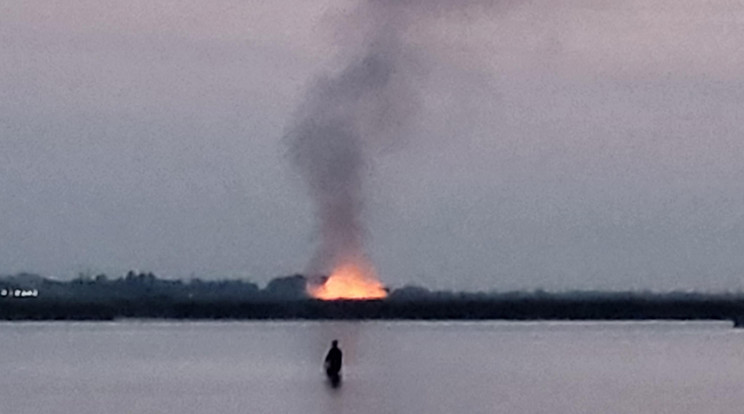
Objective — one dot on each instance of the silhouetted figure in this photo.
(333, 363)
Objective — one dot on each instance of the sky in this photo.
(547, 145)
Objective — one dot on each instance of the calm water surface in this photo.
(390, 367)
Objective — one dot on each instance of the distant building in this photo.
(19, 293)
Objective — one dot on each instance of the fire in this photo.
(349, 281)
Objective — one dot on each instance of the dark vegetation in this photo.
(142, 295)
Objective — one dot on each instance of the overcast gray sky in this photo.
(561, 145)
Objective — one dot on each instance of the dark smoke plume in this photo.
(348, 116)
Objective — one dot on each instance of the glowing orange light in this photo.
(349, 281)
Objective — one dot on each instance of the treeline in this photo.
(142, 295)
(545, 308)
(138, 286)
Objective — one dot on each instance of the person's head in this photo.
(334, 343)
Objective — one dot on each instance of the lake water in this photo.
(390, 367)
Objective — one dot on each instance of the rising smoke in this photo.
(348, 116)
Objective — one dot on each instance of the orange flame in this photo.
(349, 281)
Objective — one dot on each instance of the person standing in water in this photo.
(333, 361)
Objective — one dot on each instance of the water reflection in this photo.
(389, 367)
(334, 381)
